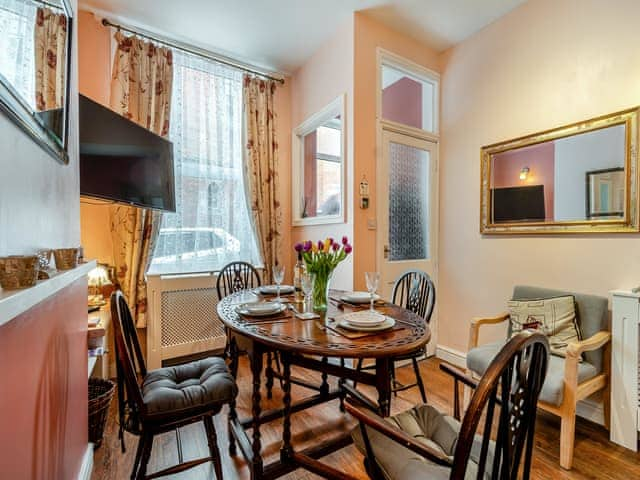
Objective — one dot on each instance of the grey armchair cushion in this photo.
(191, 385)
(429, 426)
(478, 360)
(592, 312)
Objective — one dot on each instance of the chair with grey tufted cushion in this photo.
(571, 378)
(168, 398)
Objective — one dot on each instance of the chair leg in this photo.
(147, 442)
(212, 439)
(416, 369)
(136, 461)
(567, 438)
(358, 368)
(393, 379)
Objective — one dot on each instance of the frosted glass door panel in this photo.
(408, 202)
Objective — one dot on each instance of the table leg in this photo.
(324, 386)
(383, 385)
(287, 450)
(255, 356)
(269, 375)
(233, 414)
(340, 384)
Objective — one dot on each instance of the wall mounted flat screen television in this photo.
(517, 204)
(122, 161)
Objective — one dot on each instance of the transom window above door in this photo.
(318, 167)
(408, 93)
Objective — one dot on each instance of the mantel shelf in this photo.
(15, 302)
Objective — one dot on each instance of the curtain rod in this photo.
(189, 49)
(48, 4)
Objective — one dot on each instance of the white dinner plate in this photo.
(364, 318)
(386, 325)
(273, 289)
(359, 297)
(261, 309)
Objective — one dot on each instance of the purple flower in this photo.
(298, 247)
(348, 249)
(336, 247)
(320, 245)
(345, 240)
(307, 245)
(330, 240)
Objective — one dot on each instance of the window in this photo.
(408, 93)
(211, 226)
(17, 64)
(318, 167)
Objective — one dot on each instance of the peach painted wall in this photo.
(540, 159)
(369, 35)
(94, 76)
(43, 404)
(546, 63)
(325, 76)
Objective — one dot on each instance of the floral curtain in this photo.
(50, 40)
(141, 91)
(261, 167)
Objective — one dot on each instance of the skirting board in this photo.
(87, 464)
(587, 409)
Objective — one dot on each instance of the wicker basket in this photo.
(100, 395)
(66, 258)
(18, 272)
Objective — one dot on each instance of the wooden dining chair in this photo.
(235, 277)
(424, 443)
(415, 291)
(167, 398)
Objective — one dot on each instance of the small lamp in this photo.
(97, 278)
(524, 173)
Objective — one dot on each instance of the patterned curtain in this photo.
(50, 40)
(261, 162)
(141, 91)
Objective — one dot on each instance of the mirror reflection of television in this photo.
(518, 204)
(122, 161)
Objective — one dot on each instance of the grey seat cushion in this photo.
(429, 426)
(479, 358)
(191, 385)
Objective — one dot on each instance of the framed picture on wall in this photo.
(605, 193)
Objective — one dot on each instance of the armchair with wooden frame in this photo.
(577, 376)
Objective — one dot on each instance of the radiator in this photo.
(182, 317)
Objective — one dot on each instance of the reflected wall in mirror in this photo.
(34, 68)
(579, 178)
(318, 167)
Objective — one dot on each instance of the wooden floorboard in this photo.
(595, 456)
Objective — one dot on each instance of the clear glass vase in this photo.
(321, 290)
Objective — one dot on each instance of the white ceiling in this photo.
(282, 34)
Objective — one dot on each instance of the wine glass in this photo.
(278, 277)
(372, 279)
(307, 282)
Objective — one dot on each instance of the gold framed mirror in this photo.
(579, 178)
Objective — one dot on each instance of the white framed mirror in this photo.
(318, 169)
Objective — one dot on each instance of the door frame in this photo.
(384, 57)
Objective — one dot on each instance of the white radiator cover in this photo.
(182, 317)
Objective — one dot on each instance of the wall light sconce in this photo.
(524, 173)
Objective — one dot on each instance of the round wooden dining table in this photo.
(320, 345)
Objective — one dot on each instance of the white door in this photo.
(407, 208)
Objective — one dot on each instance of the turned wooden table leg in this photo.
(324, 386)
(269, 375)
(383, 385)
(255, 356)
(287, 450)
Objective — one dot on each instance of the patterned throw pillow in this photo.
(555, 317)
